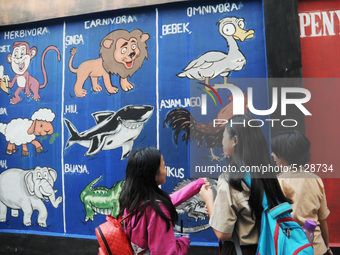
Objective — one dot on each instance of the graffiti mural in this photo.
(26, 190)
(180, 120)
(77, 96)
(4, 79)
(101, 200)
(20, 60)
(121, 53)
(214, 63)
(113, 130)
(194, 208)
(24, 131)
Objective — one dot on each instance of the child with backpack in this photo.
(236, 212)
(152, 211)
(291, 150)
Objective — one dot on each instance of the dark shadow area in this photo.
(54, 245)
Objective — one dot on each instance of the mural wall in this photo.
(78, 95)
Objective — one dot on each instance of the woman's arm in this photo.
(323, 214)
(187, 191)
(324, 232)
(207, 196)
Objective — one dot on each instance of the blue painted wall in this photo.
(178, 34)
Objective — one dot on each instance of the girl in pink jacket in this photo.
(150, 229)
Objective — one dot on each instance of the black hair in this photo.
(252, 149)
(141, 189)
(292, 146)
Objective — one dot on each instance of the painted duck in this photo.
(214, 63)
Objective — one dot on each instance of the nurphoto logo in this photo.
(239, 104)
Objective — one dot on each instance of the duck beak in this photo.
(242, 34)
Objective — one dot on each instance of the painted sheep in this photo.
(23, 131)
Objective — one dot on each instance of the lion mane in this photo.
(110, 64)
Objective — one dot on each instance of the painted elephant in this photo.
(25, 190)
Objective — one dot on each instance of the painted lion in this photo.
(121, 53)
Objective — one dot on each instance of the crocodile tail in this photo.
(118, 185)
(193, 229)
(89, 188)
(91, 184)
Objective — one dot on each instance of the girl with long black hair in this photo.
(292, 150)
(150, 228)
(237, 208)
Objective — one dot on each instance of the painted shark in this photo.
(113, 130)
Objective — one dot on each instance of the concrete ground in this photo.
(50, 245)
(19, 244)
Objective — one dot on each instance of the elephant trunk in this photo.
(55, 202)
(48, 191)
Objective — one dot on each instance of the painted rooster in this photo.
(180, 119)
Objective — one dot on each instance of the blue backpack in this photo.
(280, 232)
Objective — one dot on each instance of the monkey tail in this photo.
(51, 47)
(73, 52)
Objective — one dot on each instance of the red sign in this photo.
(320, 50)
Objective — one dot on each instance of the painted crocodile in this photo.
(101, 200)
(194, 208)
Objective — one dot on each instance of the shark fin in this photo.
(126, 149)
(100, 116)
(96, 145)
(74, 133)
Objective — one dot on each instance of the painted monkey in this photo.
(20, 60)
